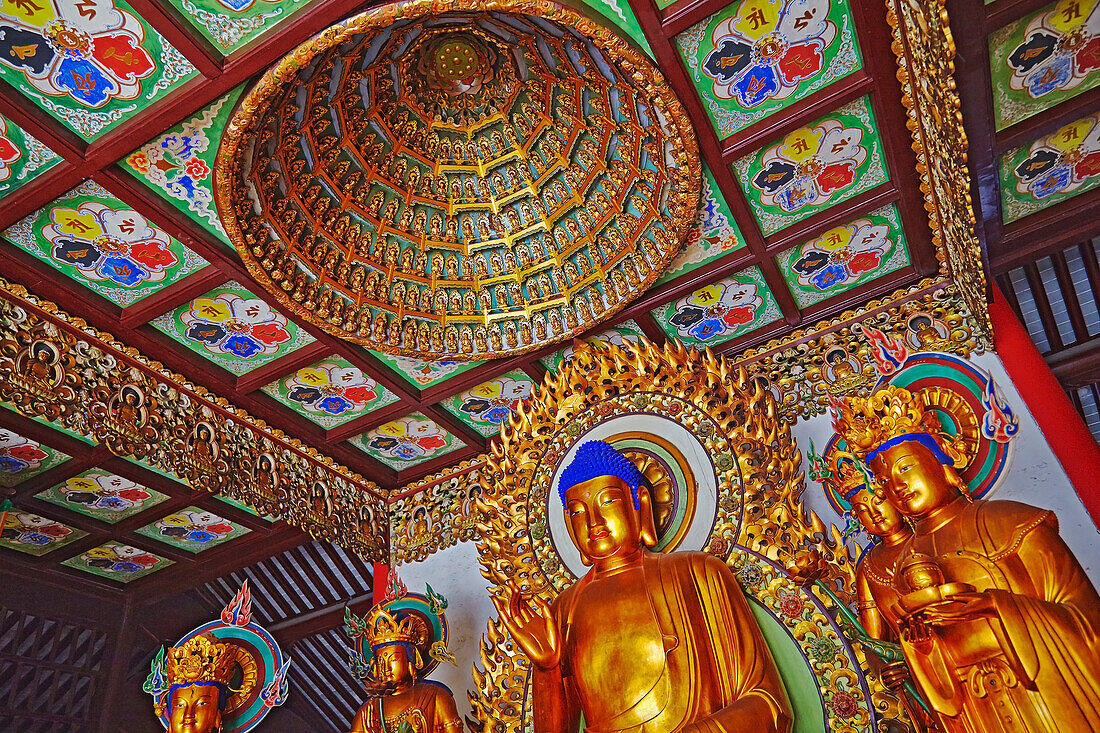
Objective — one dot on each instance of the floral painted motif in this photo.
(178, 163)
(1060, 49)
(810, 165)
(119, 245)
(1062, 162)
(102, 495)
(118, 561)
(767, 48)
(426, 373)
(842, 254)
(9, 152)
(35, 535)
(408, 441)
(711, 311)
(193, 529)
(714, 235)
(720, 311)
(20, 454)
(845, 256)
(489, 404)
(627, 331)
(226, 323)
(331, 389)
(88, 50)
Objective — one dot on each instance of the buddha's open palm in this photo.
(530, 623)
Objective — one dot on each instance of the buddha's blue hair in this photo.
(598, 458)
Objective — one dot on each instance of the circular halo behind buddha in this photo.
(459, 181)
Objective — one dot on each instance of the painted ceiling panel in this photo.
(406, 442)
(103, 244)
(424, 374)
(102, 495)
(179, 164)
(756, 57)
(715, 234)
(1043, 59)
(21, 458)
(116, 561)
(330, 392)
(230, 24)
(22, 157)
(89, 63)
(721, 311)
(1055, 167)
(193, 529)
(814, 167)
(487, 406)
(35, 535)
(232, 328)
(845, 256)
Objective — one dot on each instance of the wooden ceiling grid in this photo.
(99, 162)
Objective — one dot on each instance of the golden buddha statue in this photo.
(999, 624)
(644, 642)
(399, 701)
(198, 674)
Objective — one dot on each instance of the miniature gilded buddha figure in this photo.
(1000, 624)
(399, 700)
(643, 642)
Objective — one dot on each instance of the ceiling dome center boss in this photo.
(459, 180)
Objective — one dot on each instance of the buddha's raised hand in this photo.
(530, 623)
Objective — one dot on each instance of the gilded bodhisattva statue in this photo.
(999, 623)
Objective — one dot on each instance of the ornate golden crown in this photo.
(845, 476)
(200, 659)
(888, 413)
(383, 627)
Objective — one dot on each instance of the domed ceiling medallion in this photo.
(459, 181)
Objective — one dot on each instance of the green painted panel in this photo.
(89, 63)
(231, 24)
(407, 441)
(330, 392)
(102, 495)
(1043, 59)
(721, 311)
(179, 164)
(814, 167)
(756, 57)
(715, 234)
(845, 256)
(117, 561)
(1055, 167)
(103, 244)
(232, 328)
(22, 157)
(193, 529)
(487, 406)
(425, 373)
(22, 458)
(34, 535)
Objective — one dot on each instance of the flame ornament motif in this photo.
(889, 352)
(999, 422)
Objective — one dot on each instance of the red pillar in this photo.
(381, 581)
(1059, 422)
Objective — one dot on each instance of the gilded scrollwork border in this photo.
(93, 385)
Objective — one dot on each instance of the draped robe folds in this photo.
(715, 673)
(1034, 665)
(428, 707)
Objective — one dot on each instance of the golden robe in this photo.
(428, 707)
(669, 645)
(1034, 665)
